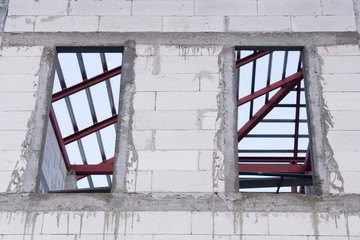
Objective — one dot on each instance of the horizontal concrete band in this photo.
(231, 39)
(180, 202)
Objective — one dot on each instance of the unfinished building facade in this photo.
(130, 120)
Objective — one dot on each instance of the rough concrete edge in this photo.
(227, 140)
(356, 4)
(27, 170)
(323, 160)
(124, 145)
(3, 14)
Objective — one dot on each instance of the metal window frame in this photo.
(293, 174)
(105, 167)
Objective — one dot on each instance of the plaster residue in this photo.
(156, 62)
(199, 50)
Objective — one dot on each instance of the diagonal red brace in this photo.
(269, 88)
(91, 129)
(86, 84)
(251, 58)
(102, 168)
(267, 108)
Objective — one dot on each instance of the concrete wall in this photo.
(175, 161)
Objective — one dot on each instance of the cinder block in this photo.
(14, 120)
(209, 82)
(17, 101)
(232, 7)
(182, 181)
(144, 101)
(344, 140)
(226, 223)
(143, 181)
(130, 24)
(346, 160)
(9, 160)
(35, 51)
(286, 8)
(353, 224)
(143, 140)
(259, 24)
(279, 237)
(43, 237)
(162, 8)
(11, 140)
(184, 139)
(165, 120)
(66, 24)
(209, 120)
(341, 82)
(345, 101)
(202, 222)
(333, 225)
(345, 120)
(100, 8)
(136, 237)
(194, 24)
(159, 223)
(168, 160)
(349, 64)
(62, 222)
(337, 7)
(206, 160)
(10, 65)
(255, 223)
(98, 223)
(182, 237)
(351, 185)
(40, 7)
(18, 223)
(5, 178)
(282, 223)
(339, 50)
(186, 100)
(20, 24)
(323, 24)
(166, 82)
(176, 64)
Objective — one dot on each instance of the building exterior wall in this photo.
(175, 162)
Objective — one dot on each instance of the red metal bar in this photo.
(251, 58)
(86, 84)
(59, 138)
(307, 161)
(271, 159)
(268, 107)
(91, 129)
(275, 168)
(271, 87)
(107, 162)
(93, 169)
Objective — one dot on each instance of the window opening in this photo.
(80, 141)
(273, 136)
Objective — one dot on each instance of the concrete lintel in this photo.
(180, 202)
(231, 39)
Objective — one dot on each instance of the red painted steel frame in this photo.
(251, 58)
(101, 167)
(269, 106)
(91, 129)
(86, 84)
(59, 138)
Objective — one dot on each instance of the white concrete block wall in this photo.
(341, 83)
(53, 166)
(178, 225)
(18, 85)
(175, 115)
(181, 16)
